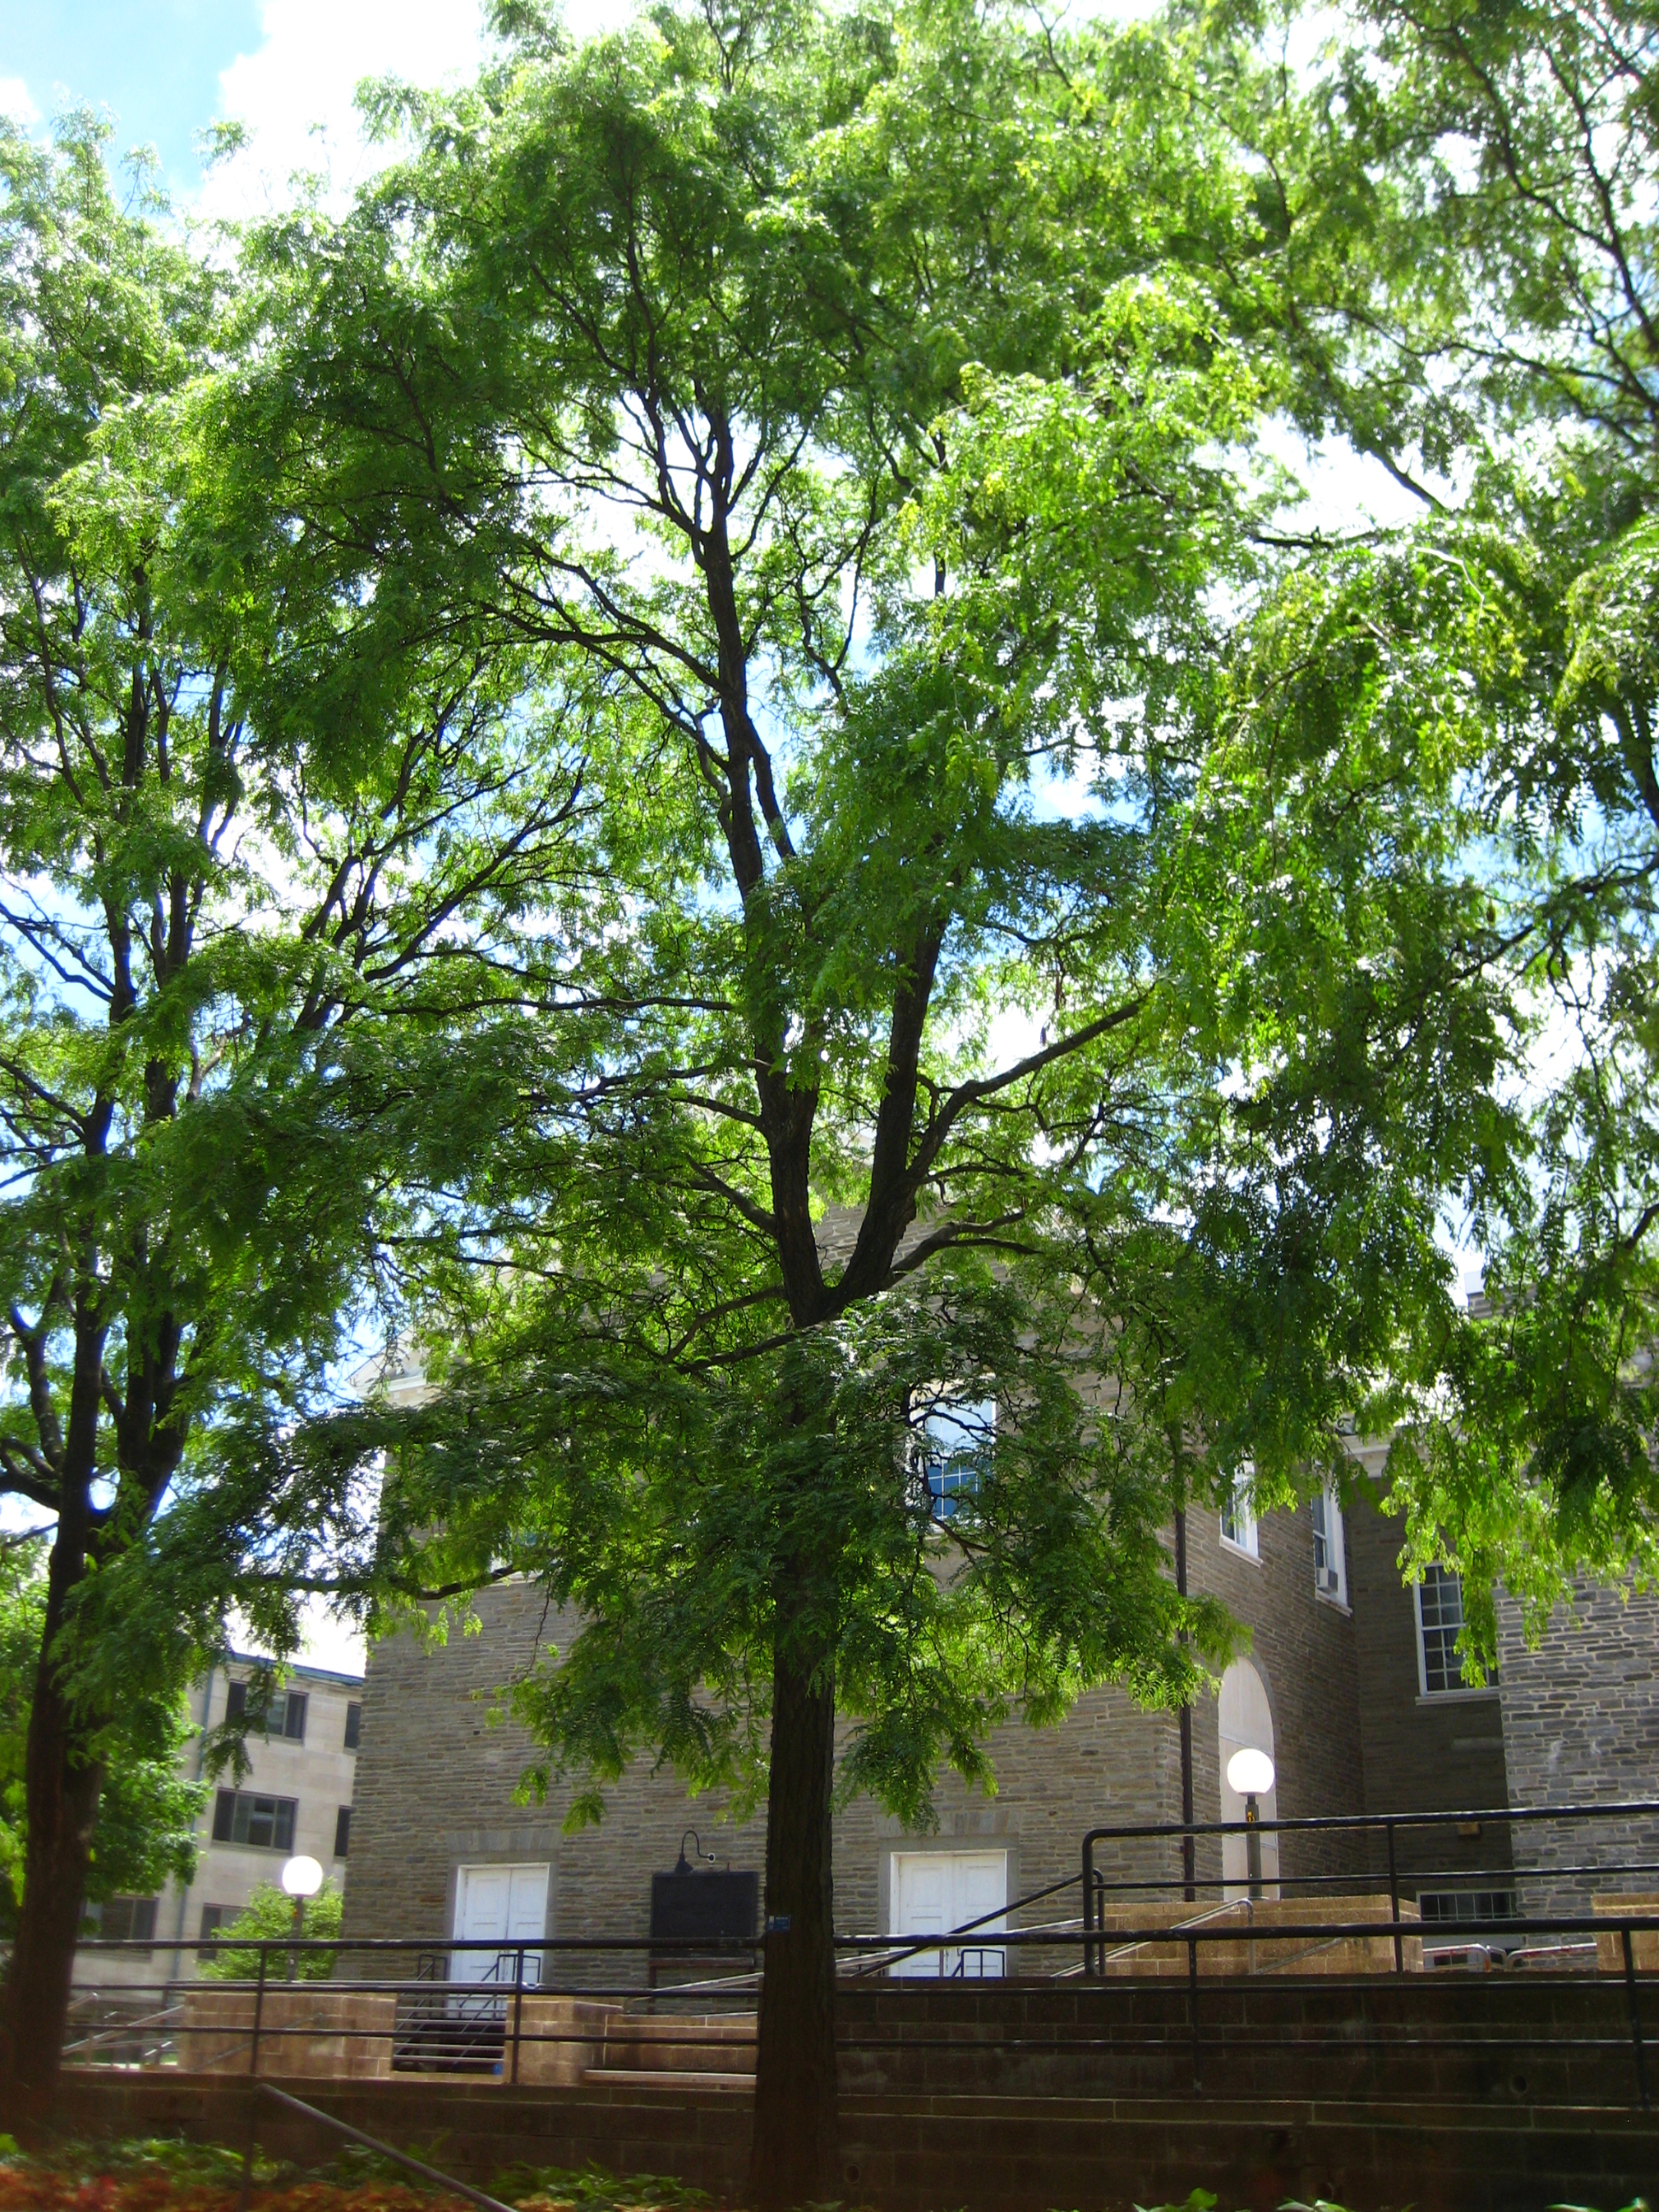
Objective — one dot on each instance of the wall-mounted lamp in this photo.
(682, 1865)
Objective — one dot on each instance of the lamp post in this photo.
(301, 1878)
(1250, 1776)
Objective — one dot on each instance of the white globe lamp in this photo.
(1251, 1775)
(301, 1878)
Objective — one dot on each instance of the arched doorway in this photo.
(1245, 1722)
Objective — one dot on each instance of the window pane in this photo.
(342, 1832)
(354, 1724)
(224, 1816)
(143, 1918)
(236, 1702)
(115, 1921)
(293, 1725)
(1441, 1600)
(283, 1837)
(1237, 1520)
(213, 1919)
(959, 1434)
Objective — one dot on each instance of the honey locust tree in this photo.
(250, 841)
(842, 390)
(1493, 322)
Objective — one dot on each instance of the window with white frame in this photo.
(957, 1435)
(1439, 1622)
(1238, 1514)
(1330, 1552)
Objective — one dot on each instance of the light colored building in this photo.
(296, 1797)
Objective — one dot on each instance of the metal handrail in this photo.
(1193, 1932)
(1387, 1825)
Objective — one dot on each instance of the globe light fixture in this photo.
(1251, 1773)
(301, 1878)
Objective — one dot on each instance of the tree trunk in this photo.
(796, 2154)
(63, 1790)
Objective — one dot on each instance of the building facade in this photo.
(296, 1797)
(1338, 1685)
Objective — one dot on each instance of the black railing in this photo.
(1385, 1830)
(568, 2010)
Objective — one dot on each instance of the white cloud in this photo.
(294, 94)
(16, 104)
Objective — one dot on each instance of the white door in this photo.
(501, 1904)
(934, 1891)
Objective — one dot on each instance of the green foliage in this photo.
(870, 414)
(145, 1832)
(268, 1917)
(1484, 332)
(266, 835)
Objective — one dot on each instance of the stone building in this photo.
(1346, 1684)
(1351, 1682)
(296, 1797)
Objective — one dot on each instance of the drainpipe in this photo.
(185, 1888)
(1188, 1865)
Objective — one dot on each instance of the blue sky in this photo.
(286, 69)
(155, 63)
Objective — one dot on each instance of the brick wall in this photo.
(436, 1776)
(1421, 1754)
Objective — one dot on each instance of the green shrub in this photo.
(268, 1917)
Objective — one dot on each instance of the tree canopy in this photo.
(700, 760)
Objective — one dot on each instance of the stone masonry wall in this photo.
(1581, 1726)
(437, 1772)
(1443, 1753)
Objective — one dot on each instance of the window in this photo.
(957, 1435)
(354, 1725)
(214, 1917)
(342, 1832)
(1237, 1516)
(285, 1713)
(1439, 1622)
(128, 1920)
(1330, 1552)
(241, 1817)
(1445, 1905)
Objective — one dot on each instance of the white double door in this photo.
(499, 1904)
(934, 1891)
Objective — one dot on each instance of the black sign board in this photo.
(704, 1907)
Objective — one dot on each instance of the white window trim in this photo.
(978, 1425)
(1426, 1696)
(1247, 1545)
(1338, 1597)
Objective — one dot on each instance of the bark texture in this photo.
(795, 2157)
(62, 1788)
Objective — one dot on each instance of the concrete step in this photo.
(685, 2079)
